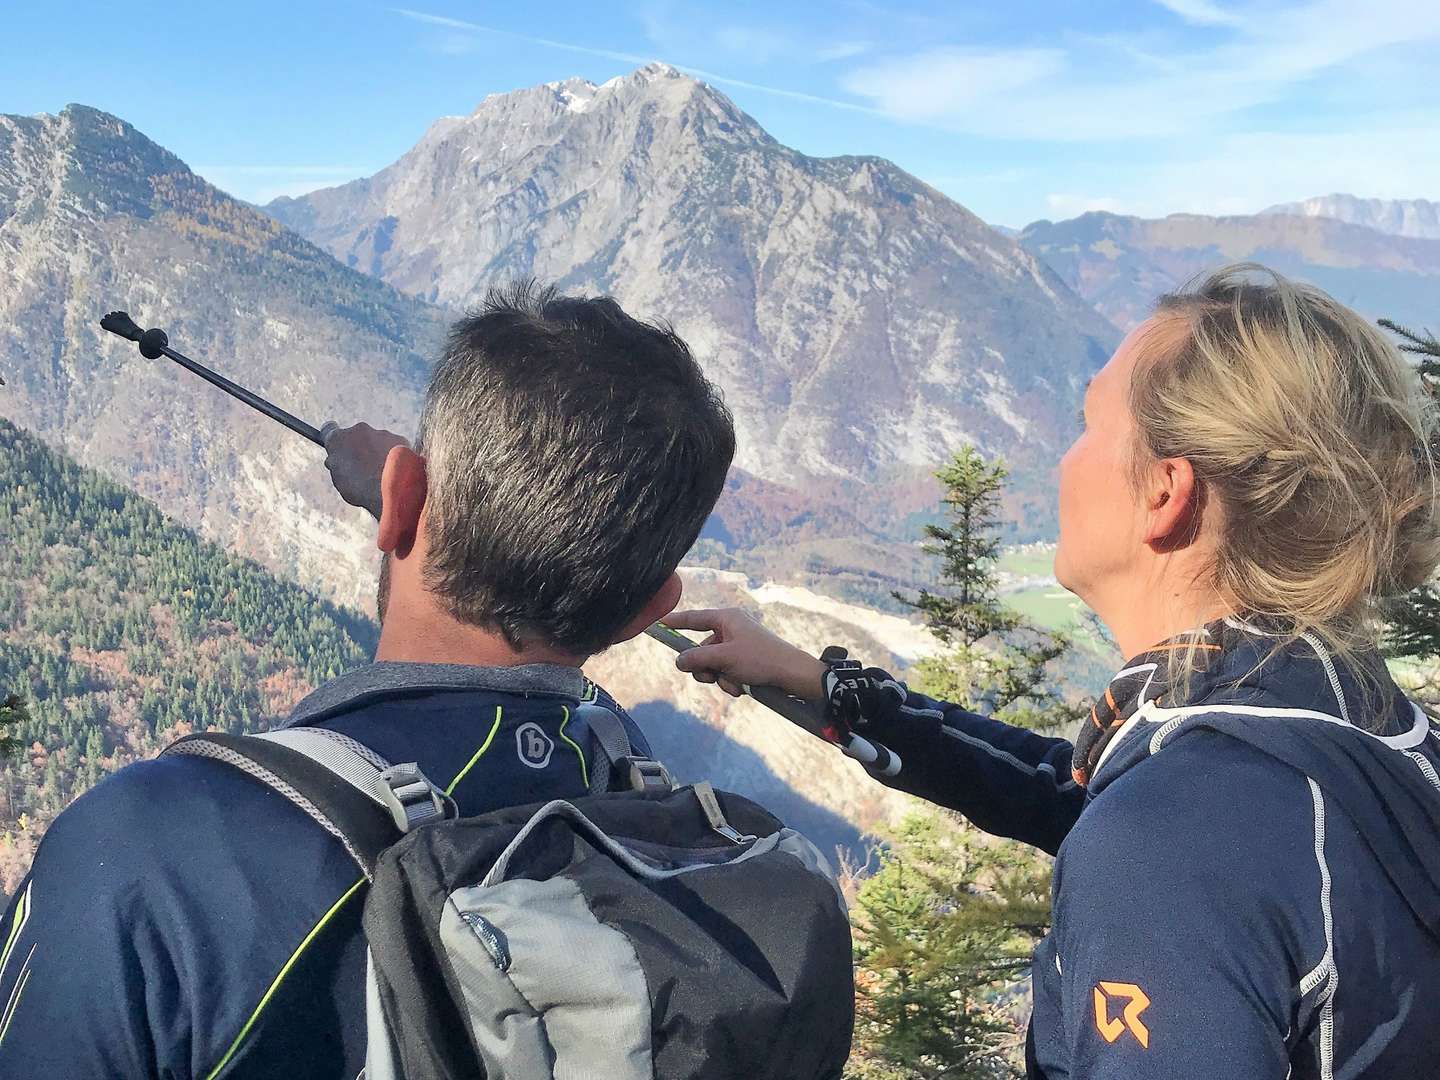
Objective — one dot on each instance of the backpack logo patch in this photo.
(1129, 1020)
(533, 745)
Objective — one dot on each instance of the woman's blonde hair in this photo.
(1313, 434)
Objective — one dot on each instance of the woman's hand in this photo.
(356, 457)
(740, 652)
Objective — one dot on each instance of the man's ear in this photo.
(403, 488)
(661, 604)
(1174, 503)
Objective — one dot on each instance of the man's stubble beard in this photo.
(382, 592)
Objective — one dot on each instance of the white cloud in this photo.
(1202, 12)
(461, 24)
(677, 30)
(754, 44)
(842, 50)
(946, 82)
(1095, 89)
(1243, 173)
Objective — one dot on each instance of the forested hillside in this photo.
(125, 630)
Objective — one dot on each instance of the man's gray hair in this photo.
(573, 455)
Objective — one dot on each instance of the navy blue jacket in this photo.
(182, 920)
(1248, 888)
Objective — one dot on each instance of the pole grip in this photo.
(155, 344)
(120, 323)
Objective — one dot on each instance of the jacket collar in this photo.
(394, 678)
(1236, 661)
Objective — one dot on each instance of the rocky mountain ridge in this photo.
(1121, 264)
(1419, 218)
(94, 217)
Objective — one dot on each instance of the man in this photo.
(183, 920)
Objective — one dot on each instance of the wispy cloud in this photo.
(1202, 12)
(677, 28)
(946, 82)
(842, 50)
(1091, 89)
(638, 60)
(461, 24)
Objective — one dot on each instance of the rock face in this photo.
(861, 324)
(1121, 264)
(94, 216)
(1419, 218)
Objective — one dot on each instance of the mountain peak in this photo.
(104, 164)
(792, 275)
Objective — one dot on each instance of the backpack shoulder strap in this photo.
(401, 790)
(352, 793)
(615, 760)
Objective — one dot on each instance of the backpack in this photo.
(641, 931)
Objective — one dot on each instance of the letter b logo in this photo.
(533, 745)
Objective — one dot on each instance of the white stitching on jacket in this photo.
(1325, 972)
(1330, 673)
(1009, 758)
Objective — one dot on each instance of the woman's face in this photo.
(1101, 519)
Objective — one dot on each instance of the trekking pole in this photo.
(154, 343)
(874, 756)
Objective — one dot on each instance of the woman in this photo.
(1248, 824)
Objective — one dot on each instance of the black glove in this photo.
(856, 696)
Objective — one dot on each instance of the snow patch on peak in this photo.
(575, 93)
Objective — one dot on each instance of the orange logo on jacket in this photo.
(1129, 1020)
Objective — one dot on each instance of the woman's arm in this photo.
(1007, 780)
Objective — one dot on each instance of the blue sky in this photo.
(1020, 110)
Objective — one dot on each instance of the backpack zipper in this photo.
(710, 805)
(489, 937)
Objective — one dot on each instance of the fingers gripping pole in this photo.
(154, 344)
(874, 756)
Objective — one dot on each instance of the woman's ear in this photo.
(403, 489)
(665, 600)
(1173, 497)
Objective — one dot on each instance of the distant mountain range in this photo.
(1121, 264)
(862, 325)
(1418, 218)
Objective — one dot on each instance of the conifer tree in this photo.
(944, 930)
(998, 663)
(13, 714)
